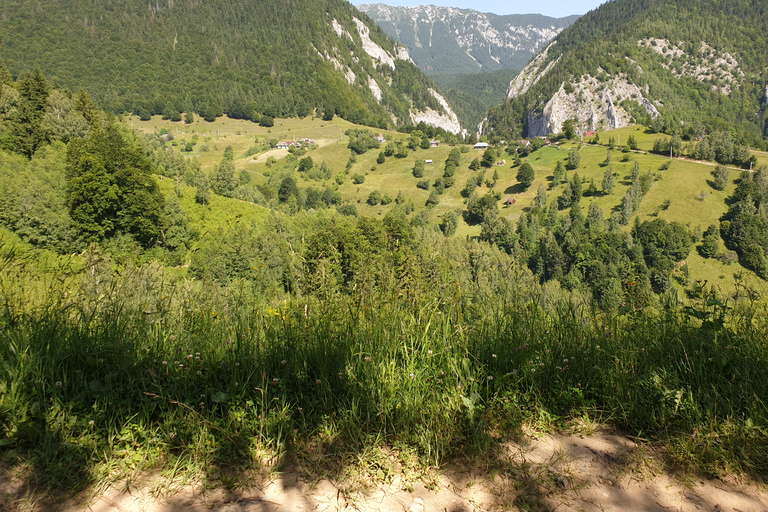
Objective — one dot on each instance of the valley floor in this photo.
(564, 472)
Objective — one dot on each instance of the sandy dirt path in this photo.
(565, 472)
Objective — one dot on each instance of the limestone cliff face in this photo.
(594, 104)
(447, 121)
(531, 74)
(391, 58)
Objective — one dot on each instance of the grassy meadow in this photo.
(685, 184)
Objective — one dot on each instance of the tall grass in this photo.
(107, 371)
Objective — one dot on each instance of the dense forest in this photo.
(472, 95)
(606, 43)
(246, 59)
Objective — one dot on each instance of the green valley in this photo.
(348, 292)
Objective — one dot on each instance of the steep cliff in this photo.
(671, 62)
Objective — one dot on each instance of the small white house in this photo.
(428, 162)
(481, 145)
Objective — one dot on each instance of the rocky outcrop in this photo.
(531, 74)
(716, 67)
(375, 51)
(448, 121)
(594, 104)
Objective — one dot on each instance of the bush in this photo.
(374, 198)
(358, 179)
(347, 209)
(418, 169)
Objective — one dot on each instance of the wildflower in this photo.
(533, 370)
(439, 381)
(565, 360)
(90, 423)
(165, 363)
(275, 381)
(199, 372)
(318, 382)
(367, 359)
(283, 361)
(490, 377)
(58, 384)
(429, 352)
(237, 364)
(412, 375)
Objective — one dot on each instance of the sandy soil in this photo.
(600, 472)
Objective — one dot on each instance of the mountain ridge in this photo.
(233, 57)
(450, 40)
(668, 62)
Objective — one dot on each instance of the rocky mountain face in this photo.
(671, 62)
(238, 57)
(445, 40)
(594, 103)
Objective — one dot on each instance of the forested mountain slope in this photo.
(447, 40)
(230, 56)
(690, 66)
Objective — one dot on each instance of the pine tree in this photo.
(541, 197)
(33, 96)
(608, 181)
(722, 177)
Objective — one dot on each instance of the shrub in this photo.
(374, 198)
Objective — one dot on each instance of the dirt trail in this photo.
(600, 472)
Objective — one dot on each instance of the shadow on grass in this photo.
(518, 188)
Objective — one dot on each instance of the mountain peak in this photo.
(449, 40)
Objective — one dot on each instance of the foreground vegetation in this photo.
(406, 339)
